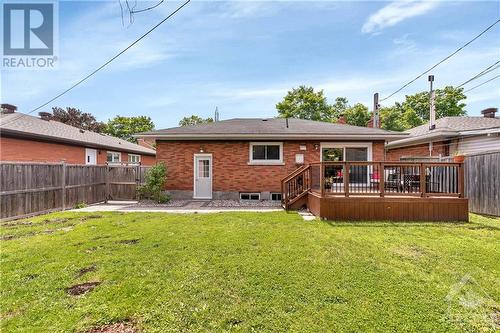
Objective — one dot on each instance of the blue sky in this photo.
(243, 56)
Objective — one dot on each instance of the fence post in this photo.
(63, 185)
(107, 182)
(322, 178)
(423, 181)
(346, 179)
(461, 180)
(381, 177)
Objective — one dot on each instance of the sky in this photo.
(243, 56)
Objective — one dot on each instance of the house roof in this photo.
(26, 126)
(448, 127)
(271, 128)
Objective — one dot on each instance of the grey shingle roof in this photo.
(33, 127)
(458, 124)
(273, 127)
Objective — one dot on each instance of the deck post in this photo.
(381, 177)
(346, 179)
(461, 180)
(322, 179)
(422, 180)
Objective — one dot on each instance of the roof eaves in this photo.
(412, 140)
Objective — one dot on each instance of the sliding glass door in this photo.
(331, 152)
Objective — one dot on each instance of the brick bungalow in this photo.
(450, 135)
(247, 158)
(24, 138)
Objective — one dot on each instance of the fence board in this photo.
(30, 188)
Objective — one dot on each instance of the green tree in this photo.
(304, 103)
(339, 107)
(155, 180)
(411, 119)
(449, 102)
(391, 118)
(76, 118)
(194, 120)
(125, 127)
(357, 115)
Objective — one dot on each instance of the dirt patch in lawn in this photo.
(82, 288)
(410, 252)
(114, 328)
(129, 241)
(86, 270)
(89, 217)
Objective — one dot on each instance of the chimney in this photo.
(341, 119)
(45, 115)
(489, 112)
(8, 108)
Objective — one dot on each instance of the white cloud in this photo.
(394, 13)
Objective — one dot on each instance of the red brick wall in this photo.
(421, 150)
(13, 149)
(231, 171)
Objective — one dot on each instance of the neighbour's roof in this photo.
(272, 128)
(448, 127)
(26, 126)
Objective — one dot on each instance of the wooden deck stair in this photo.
(295, 186)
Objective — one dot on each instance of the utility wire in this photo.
(440, 62)
(483, 72)
(479, 85)
(106, 63)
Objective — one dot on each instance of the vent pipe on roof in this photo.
(8, 108)
(45, 115)
(286, 122)
(216, 115)
(489, 112)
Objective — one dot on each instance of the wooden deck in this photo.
(377, 191)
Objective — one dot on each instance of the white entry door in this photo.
(90, 156)
(202, 176)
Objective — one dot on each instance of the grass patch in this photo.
(154, 272)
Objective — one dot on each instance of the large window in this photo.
(266, 153)
(338, 152)
(134, 159)
(113, 157)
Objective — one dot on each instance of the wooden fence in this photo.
(482, 183)
(31, 188)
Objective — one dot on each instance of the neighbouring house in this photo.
(25, 138)
(449, 136)
(248, 158)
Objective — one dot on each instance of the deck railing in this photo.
(374, 179)
(389, 178)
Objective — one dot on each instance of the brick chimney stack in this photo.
(489, 112)
(45, 115)
(8, 108)
(341, 119)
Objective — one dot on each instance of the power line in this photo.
(106, 63)
(483, 72)
(440, 62)
(479, 85)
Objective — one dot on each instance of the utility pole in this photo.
(432, 105)
(376, 115)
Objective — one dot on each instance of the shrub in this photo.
(80, 205)
(156, 178)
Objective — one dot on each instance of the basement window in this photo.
(249, 196)
(276, 196)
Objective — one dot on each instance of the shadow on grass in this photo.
(406, 224)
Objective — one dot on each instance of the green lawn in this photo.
(249, 272)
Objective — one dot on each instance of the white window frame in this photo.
(265, 162)
(250, 194)
(345, 145)
(114, 152)
(134, 155)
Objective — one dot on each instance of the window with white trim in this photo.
(134, 159)
(249, 196)
(266, 152)
(113, 157)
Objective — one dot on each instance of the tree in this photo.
(357, 115)
(448, 103)
(74, 117)
(304, 103)
(194, 120)
(339, 107)
(125, 127)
